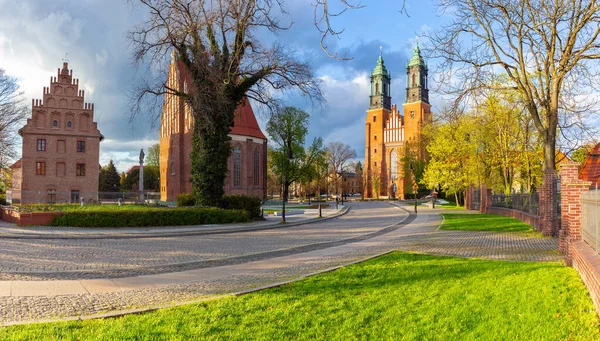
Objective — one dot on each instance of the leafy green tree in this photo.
(290, 159)
(151, 179)
(580, 154)
(153, 156)
(109, 178)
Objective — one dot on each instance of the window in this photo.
(256, 168)
(51, 196)
(375, 164)
(172, 168)
(81, 146)
(375, 137)
(377, 89)
(74, 196)
(69, 124)
(41, 145)
(80, 169)
(375, 150)
(237, 167)
(40, 168)
(55, 123)
(374, 118)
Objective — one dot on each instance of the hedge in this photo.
(248, 203)
(185, 199)
(152, 217)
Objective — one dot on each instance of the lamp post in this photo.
(415, 186)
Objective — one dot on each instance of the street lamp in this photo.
(415, 186)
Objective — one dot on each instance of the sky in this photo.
(36, 35)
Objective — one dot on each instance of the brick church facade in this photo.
(389, 132)
(61, 146)
(247, 163)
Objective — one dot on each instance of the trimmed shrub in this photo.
(2, 199)
(151, 217)
(185, 199)
(247, 203)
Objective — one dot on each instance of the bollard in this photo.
(320, 215)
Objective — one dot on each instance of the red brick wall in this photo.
(63, 102)
(587, 263)
(25, 219)
(525, 217)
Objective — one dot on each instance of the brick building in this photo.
(389, 132)
(247, 163)
(61, 146)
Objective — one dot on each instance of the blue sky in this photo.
(36, 34)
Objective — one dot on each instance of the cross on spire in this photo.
(66, 60)
(380, 50)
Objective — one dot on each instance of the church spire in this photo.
(416, 78)
(380, 85)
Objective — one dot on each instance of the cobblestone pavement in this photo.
(43, 259)
(420, 234)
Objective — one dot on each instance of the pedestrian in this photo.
(337, 201)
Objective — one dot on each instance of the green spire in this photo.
(380, 67)
(416, 59)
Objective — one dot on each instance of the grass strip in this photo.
(399, 296)
(483, 222)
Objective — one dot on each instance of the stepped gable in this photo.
(591, 167)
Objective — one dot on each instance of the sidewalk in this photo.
(8, 230)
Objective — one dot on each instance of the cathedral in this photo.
(389, 132)
(247, 163)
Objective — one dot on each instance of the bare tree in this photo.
(12, 112)
(338, 154)
(546, 49)
(324, 13)
(218, 44)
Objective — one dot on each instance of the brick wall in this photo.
(525, 217)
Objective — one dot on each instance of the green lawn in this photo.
(399, 296)
(483, 222)
(451, 206)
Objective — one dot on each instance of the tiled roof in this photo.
(244, 122)
(132, 169)
(591, 167)
(16, 164)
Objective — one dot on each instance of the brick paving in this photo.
(418, 234)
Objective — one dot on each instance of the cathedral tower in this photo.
(377, 115)
(417, 110)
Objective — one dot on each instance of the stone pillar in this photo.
(469, 197)
(547, 195)
(483, 198)
(571, 188)
(141, 178)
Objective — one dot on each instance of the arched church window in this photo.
(414, 80)
(55, 123)
(69, 124)
(237, 167)
(394, 161)
(377, 89)
(256, 168)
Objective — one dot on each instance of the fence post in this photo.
(571, 188)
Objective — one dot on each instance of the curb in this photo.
(118, 235)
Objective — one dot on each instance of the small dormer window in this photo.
(55, 123)
(69, 124)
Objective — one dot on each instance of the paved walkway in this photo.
(39, 300)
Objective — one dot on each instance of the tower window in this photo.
(375, 163)
(377, 89)
(375, 150)
(256, 168)
(374, 118)
(375, 137)
(55, 123)
(69, 124)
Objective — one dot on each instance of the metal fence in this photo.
(525, 202)
(590, 218)
(476, 199)
(60, 197)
